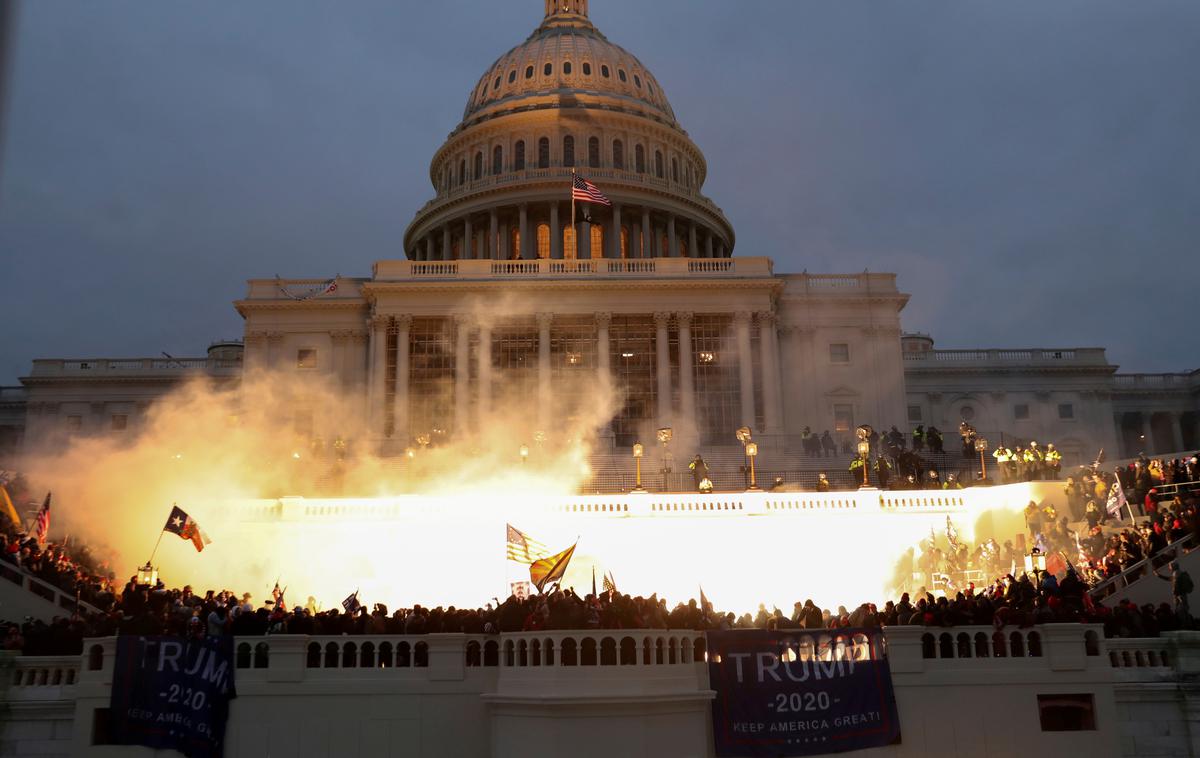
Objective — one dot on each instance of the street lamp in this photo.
(752, 453)
(524, 454)
(981, 446)
(1035, 562)
(638, 452)
(147, 576)
(864, 454)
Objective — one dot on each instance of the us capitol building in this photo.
(497, 295)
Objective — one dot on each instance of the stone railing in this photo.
(1046, 357)
(119, 366)
(550, 268)
(1154, 381)
(10, 573)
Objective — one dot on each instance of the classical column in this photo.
(400, 401)
(614, 239)
(604, 363)
(672, 242)
(428, 247)
(646, 242)
(505, 247)
(1176, 432)
(523, 226)
(741, 323)
(687, 378)
(462, 376)
(556, 242)
(693, 250)
(378, 375)
(662, 348)
(493, 247)
(468, 250)
(484, 405)
(583, 240)
(544, 396)
(772, 396)
(447, 247)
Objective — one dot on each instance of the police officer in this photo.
(1053, 461)
(1003, 457)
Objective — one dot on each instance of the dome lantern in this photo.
(566, 8)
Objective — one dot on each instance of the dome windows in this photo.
(639, 159)
(529, 72)
(548, 69)
(568, 156)
(587, 69)
(567, 67)
(544, 152)
(512, 76)
(497, 160)
(604, 71)
(621, 75)
(594, 152)
(649, 87)
(496, 84)
(478, 166)
(519, 155)
(658, 164)
(637, 81)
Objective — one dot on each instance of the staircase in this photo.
(22, 595)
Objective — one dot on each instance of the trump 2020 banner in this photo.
(798, 692)
(172, 692)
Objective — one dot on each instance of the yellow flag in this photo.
(550, 569)
(6, 506)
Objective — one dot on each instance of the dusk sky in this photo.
(1029, 168)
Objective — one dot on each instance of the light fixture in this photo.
(1035, 562)
(664, 435)
(638, 451)
(574, 359)
(706, 357)
(864, 453)
(524, 453)
(981, 446)
(626, 355)
(743, 435)
(147, 576)
(752, 453)
(410, 453)
(296, 455)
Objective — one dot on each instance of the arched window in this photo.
(658, 164)
(597, 241)
(675, 170)
(514, 250)
(544, 152)
(519, 156)
(604, 71)
(618, 154)
(621, 75)
(529, 72)
(569, 251)
(568, 157)
(594, 152)
(462, 171)
(639, 159)
(543, 241)
(624, 242)
(478, 166)
(587, 69)
(512, 76)
(637, 81)
(497, 159)
(567, 67)
(548, 69)
(496, 84)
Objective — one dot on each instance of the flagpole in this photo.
(574, 233)
(155, 550)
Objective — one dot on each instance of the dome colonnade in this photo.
(567, 100)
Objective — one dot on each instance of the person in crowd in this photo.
(700, 477)
(1181, 589)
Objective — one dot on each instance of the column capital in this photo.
(403, 320)
(603, 319)
(766, 318)
(544, 319)
(742, 317)
(464, 320)
(684, 318)
(662, 319)
(378, 321)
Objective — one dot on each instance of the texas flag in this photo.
(186, 527)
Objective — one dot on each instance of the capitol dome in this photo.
(567, 101)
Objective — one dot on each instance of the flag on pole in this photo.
(41, 523)
(951, 534)
(277, 595)
(594, 593)
(1116, 499)
(186, 527)
(6, 506)
(610, 584)
(522, 548)
(552, 569)
(586, 192)
(351, 603)
(705, 605)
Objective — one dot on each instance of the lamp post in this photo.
(752, 453)
(1035, 562)
(524, 451)
(864, 454)
(147, 575)
(981, 446)
(638, 452)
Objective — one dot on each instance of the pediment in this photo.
(843, 391)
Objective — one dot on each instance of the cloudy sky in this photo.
(1030, 169)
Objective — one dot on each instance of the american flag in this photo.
(585, 191)
(610, 584)
(41, 524)
(351, 603)
(522, 548)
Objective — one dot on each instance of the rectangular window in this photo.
(306, 357)
(1066, 411)
(839, 352)
(74, 423)
(119, 423)
(843, 418)
(1021, 412)
(914, 413)
(1067, 713)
